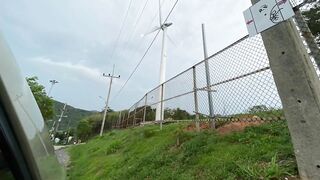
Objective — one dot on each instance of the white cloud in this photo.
(72, 40)
(76, 70)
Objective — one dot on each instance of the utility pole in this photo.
(107, 98)
(60, 118)
(206, 63)
(53, 82)
(299, 90)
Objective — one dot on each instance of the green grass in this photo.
(263, 152)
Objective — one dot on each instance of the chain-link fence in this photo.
(234, 84)
(241, 88)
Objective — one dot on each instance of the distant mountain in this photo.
(74, 115)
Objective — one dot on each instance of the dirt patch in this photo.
(192, 126)
(236, 127)
(223, 129)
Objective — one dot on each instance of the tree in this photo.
(84, 130)
(110, 110)
(312, 16)
(90, 126)
(44, 102)
(177, 114)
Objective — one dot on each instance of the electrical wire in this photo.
(136, 25)
(146, 52)
(121, 29)
(171, 11)
(135, 69)
(137, 21)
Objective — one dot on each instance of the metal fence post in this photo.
(161, 104)
(123, 119)
(128, 118)
(211, 111)
(134, 115)
(119, 120)
(195, 92)
(145, 109)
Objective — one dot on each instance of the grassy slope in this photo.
(147, 153)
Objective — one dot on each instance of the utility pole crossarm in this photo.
(111, 76)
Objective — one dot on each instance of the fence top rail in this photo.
(202, 61)
(224, 49)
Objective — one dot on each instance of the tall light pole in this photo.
(163, 26)
(53, 82)
(107, 98)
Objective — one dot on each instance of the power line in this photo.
(121, 29)
(146, 52)
(137, 21)
(135, 69)
(139, 44)
(136, 25)
(171, 11)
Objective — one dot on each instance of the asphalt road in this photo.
(62, 155)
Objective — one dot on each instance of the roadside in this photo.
(62, 155)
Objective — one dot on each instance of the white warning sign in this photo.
(267, 13)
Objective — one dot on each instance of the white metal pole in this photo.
(162, 111)
(162, 75)
(49, 92)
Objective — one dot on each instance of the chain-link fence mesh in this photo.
(308, 39)
(238, 79)
(242, 88)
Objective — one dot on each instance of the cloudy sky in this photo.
(72, 41)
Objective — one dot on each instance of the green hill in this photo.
(74, 115)
(260, 152)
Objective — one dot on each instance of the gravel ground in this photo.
(63, 157)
